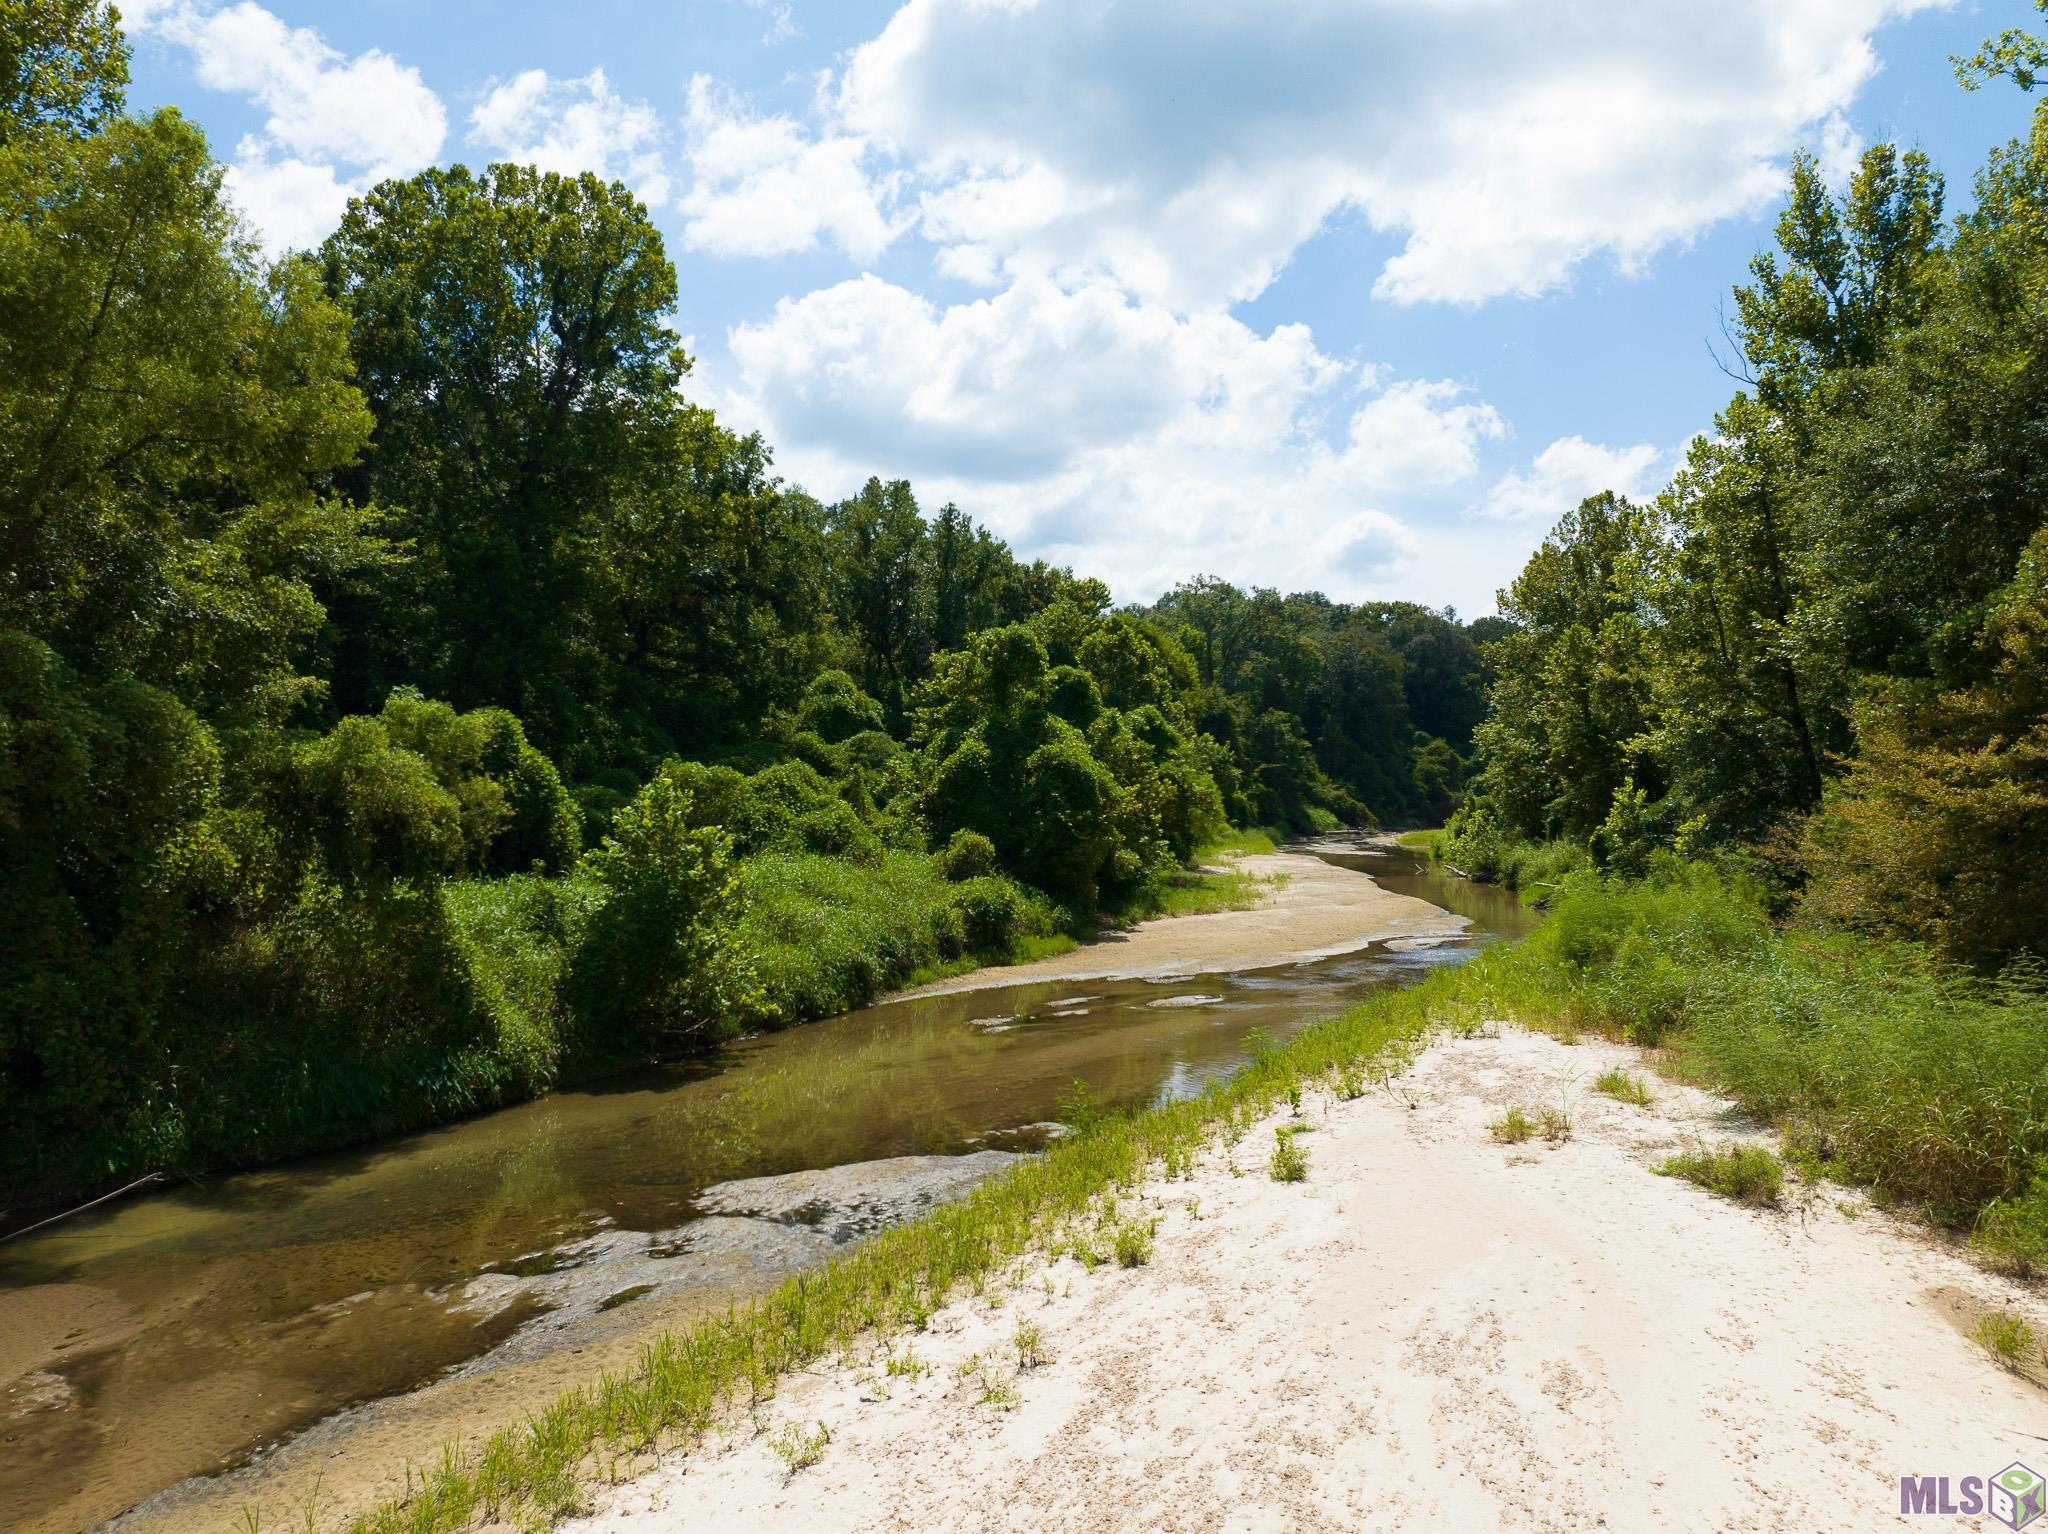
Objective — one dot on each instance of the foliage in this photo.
(1749, 1174)
(658, 959)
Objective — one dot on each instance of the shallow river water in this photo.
(178, 1334)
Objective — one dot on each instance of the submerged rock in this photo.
(848, 1202)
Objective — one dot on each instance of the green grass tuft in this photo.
(1623, 1087)
(1749, 1174)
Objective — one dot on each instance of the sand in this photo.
(1314, 910)
(1435, 1331)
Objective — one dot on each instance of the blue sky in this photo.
(1346, 295)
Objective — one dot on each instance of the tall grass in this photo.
(827, 935)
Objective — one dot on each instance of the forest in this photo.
(410, 701)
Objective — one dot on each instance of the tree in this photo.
(63, 67)
(176, 423)
(509, 334)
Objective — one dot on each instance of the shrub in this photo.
(2006, 1338)
(968, 855)
(658, 962)
(836, 831)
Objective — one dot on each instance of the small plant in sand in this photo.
(1350, 1082)
(997, 1394)
(1290, 1161)
(800, 1447)
(1131, 1241)
(968, 1367)
(1294, 1098)
(1749, 1174)
(1194, 1209)
(906, 1365)
(1179, 1162)
(2006, 1338)
(1556, 1124)
(1513, 1127)
(1623, 1087)
(1030, 1346)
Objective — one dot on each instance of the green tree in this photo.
(63, 66)
(509, 333)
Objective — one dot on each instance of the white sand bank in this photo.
(1318, 911)
(1433, 1332)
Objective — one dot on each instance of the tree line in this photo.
(409, 697)
(1820, 649)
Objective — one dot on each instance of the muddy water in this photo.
(177, 1335)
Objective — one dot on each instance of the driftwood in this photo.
(147, 1177)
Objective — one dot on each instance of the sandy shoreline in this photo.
(1316, 912)
(1434, 1331)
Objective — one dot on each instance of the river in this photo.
(190, 1332)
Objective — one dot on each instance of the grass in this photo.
(1234, 843)
(1421, 841)
(1749, 1174)
(829, 935)
(1513, 1127)
(2006, 1338)
(1623, 1087)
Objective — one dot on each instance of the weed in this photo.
(2006, 1338)
(1029, 1344)
(799, 1447)
(1749, 1174)
(967, 1367)
(2013, 1231)
(906, 1365)
(1294, 1098)
(1194, 1209)
(1350, 1083)
(1290, 1161)
(1513, 1127)
(1623, 1087)
(1131, 1240)
(999, 1394)
(1556, 1124)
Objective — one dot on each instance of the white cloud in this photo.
(1139, 444)
(782, 23)
(1564, 474)
(1187, 151)
(333, 124)
(766, 186)
(571, 126)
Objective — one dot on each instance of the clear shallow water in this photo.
(174, 1334)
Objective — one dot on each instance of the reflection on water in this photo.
(169, 1335)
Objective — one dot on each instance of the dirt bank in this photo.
(1433, 1331)
(1314, 910)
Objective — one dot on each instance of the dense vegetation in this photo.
(408, 697)
(1823, 642)
(1776, 743)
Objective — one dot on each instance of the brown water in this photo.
(177, 1334)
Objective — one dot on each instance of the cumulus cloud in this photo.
(1187, 151)
(768, 186)
(1564, 474)
(571, 126)
(1139, 443)
(333, 124)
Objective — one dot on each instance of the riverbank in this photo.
(586, 1224)
(1312, 910)
(1433, 1329)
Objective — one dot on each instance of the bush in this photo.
(2013, 1230)
(658, 962)
(836, 831)
(968, 855)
